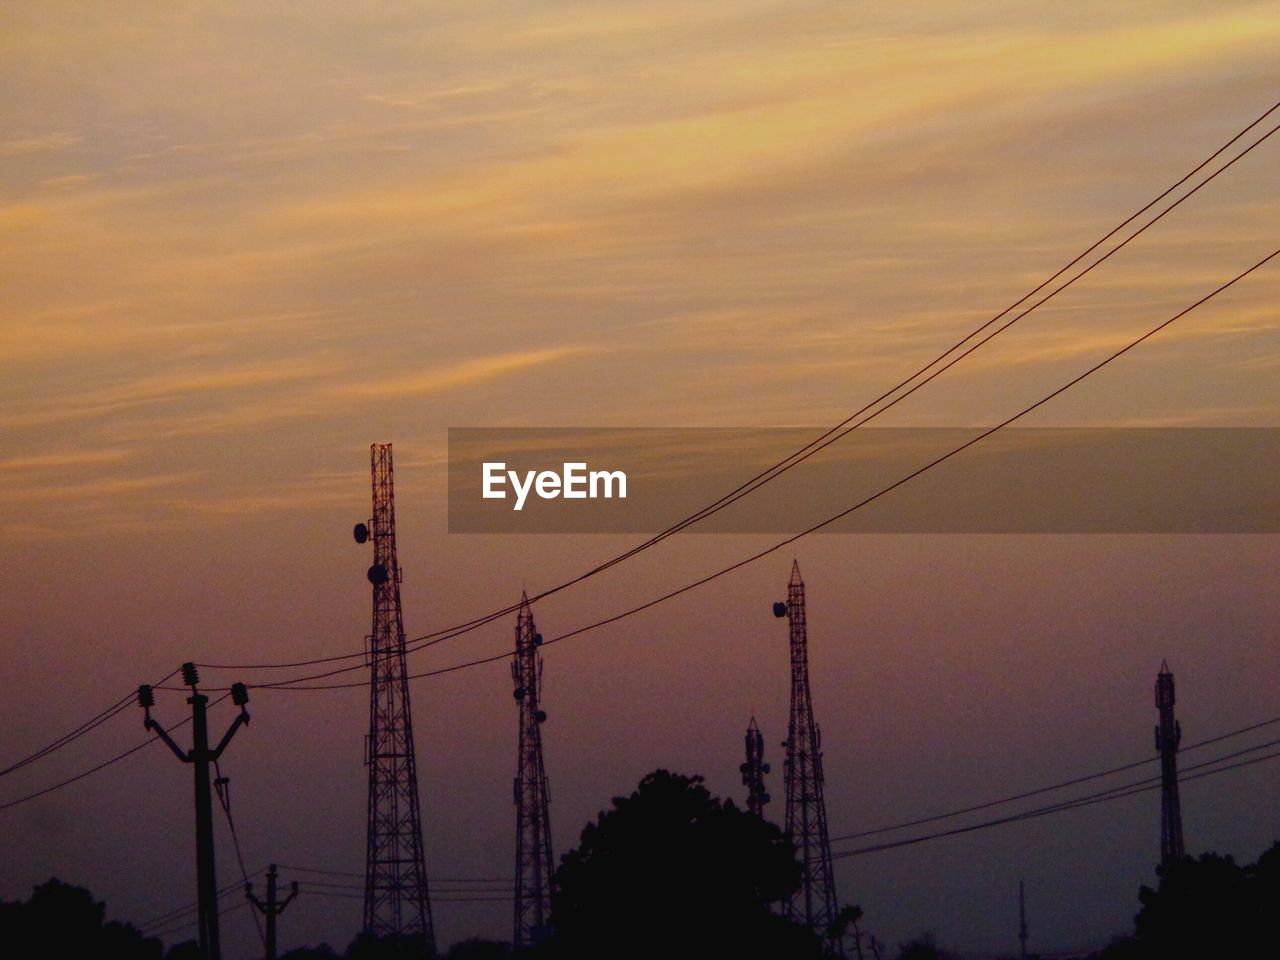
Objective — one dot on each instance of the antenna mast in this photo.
(806, 819)
(533, 824)
(1022, 918)
(1168, 736)
(395, 886)
(754, 769)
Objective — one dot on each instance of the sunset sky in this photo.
(241, 242)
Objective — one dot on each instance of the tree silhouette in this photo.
(61, 920)
(477, 948)
(393, 946)
(184, 950)
(673, 872)
(923, 947)
(321, 952)
(1208, 906)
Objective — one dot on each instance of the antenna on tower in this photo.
(806, 818)
(395, 885)
(1168, 737)
(533, 823)
(754, 769)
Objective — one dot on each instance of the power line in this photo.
(169, 931)
(169, 915)
(66, 738)
(70, 737)
(1052, 787)
(435, 887)
(349, 873)
(101, 766)
(291, 683)
(1118, 793)
(223, 785)
(359, 896)
(830, 436)
(843, 428)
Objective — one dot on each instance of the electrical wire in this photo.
(293, 682)
(1052, 787)
(88, 725)
(360, 876)
(170, 931)
(224, 801)
(1104, 797)
(830, 436)
(841, 429)
(170, 915)
(101, 766)
(433, 887)
(434, 899)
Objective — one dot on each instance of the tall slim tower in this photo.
(806, 817)
(754, 769)
(1022, 919)
(395, 886)
(533, 824)
(1168, 736)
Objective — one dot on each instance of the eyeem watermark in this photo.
(574, 482)
(1161, 480)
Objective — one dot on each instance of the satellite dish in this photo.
(518, 693)
(537, 639)
(779, 609)
(542, 716)
(361, 533)
(378, 575)
(765, 798)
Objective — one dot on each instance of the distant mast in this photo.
(1168, 737)
(754, 769)
(1022, 919)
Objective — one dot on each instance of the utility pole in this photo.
(534, 865)
(754, 769)
(806, 818)
(1168, 737)
(395, 886)
(200, 757)
(272, 908)
(1022, 919)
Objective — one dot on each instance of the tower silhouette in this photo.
(754, 769)
(395, 886)
(533, 824)
(1168, 736)
(806, 817)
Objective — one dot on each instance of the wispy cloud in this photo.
(39, 144)
(97, 489)
(467, 373)
(61, 459)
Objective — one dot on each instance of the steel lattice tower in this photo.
(754, 769)
(1168, 736)
(806, 817)
(533, 824)
(395, 887)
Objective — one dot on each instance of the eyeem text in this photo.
(574, 482)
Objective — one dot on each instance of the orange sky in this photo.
(240, 242)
